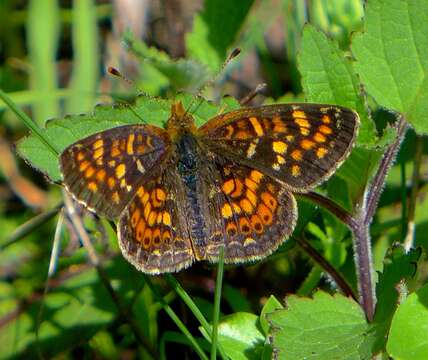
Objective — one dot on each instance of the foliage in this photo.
(301, 302)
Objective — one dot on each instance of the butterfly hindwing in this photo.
(153, 231)
(103, 170)
(299, 144)
(248, 213)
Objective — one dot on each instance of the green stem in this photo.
(29, 123)
(172, 281)
(175, 318)
(217, 298)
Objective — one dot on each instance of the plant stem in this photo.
(176, 319)
(217, 299)
(410, 231)
(172, 281)
(364, 217)
(29, 123)
(377, 185)
(342, 214)
(326, 266)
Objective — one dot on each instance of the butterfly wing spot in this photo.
(83, 165)
(278, 125)
(141, 227)
(307, 144)
(228, 186)
(280, 159)
(80, 156)
(249, 241)
(135, 218)
(256, 175)
(166, 218)
(257, 126)
(251, 184)
(265, 214)
(244, 225)
(321, 152)
(115, 197)
(246, 206)
(269, 200)
(101, 174)
(98, 144)
(92, 186)
(325, 130)
(147, 210)
(120, 171)
(89, 172)
(256, 224)
(152, 218)
(279, 147)
(111, 182)
(299, 114)
(319, 138)
(252, 149)
(251, 196)
(326, 119)
(297, 155)
(130, 144)
(231, 229)
(239, 186)
(226, 211)
(295, 170)
(303, 123)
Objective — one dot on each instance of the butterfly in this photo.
(182, 192)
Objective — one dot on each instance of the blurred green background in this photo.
(53, 61)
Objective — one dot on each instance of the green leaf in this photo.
(65, 131)
(325, 327)
(328, 78)
(392, 57)
(240, 336)
(398, 266)
(271, 305)
(408, 335)
(215, 30)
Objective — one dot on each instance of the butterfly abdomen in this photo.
(188, 165)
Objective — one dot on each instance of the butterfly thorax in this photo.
(179, 123)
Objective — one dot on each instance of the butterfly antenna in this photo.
(252, 94)
(212, 81)
(115, 72)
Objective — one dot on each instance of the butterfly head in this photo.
(180, 121)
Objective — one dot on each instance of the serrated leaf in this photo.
(66, 131)
(328, 78)
(408, 338)
(215, 30)
(240, 336)
(325, 327)
(392, 57)
(398, 266)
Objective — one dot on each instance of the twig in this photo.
(124, 311)
(326, 266)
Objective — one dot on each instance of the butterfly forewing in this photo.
(103, 170)
(299, 144)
